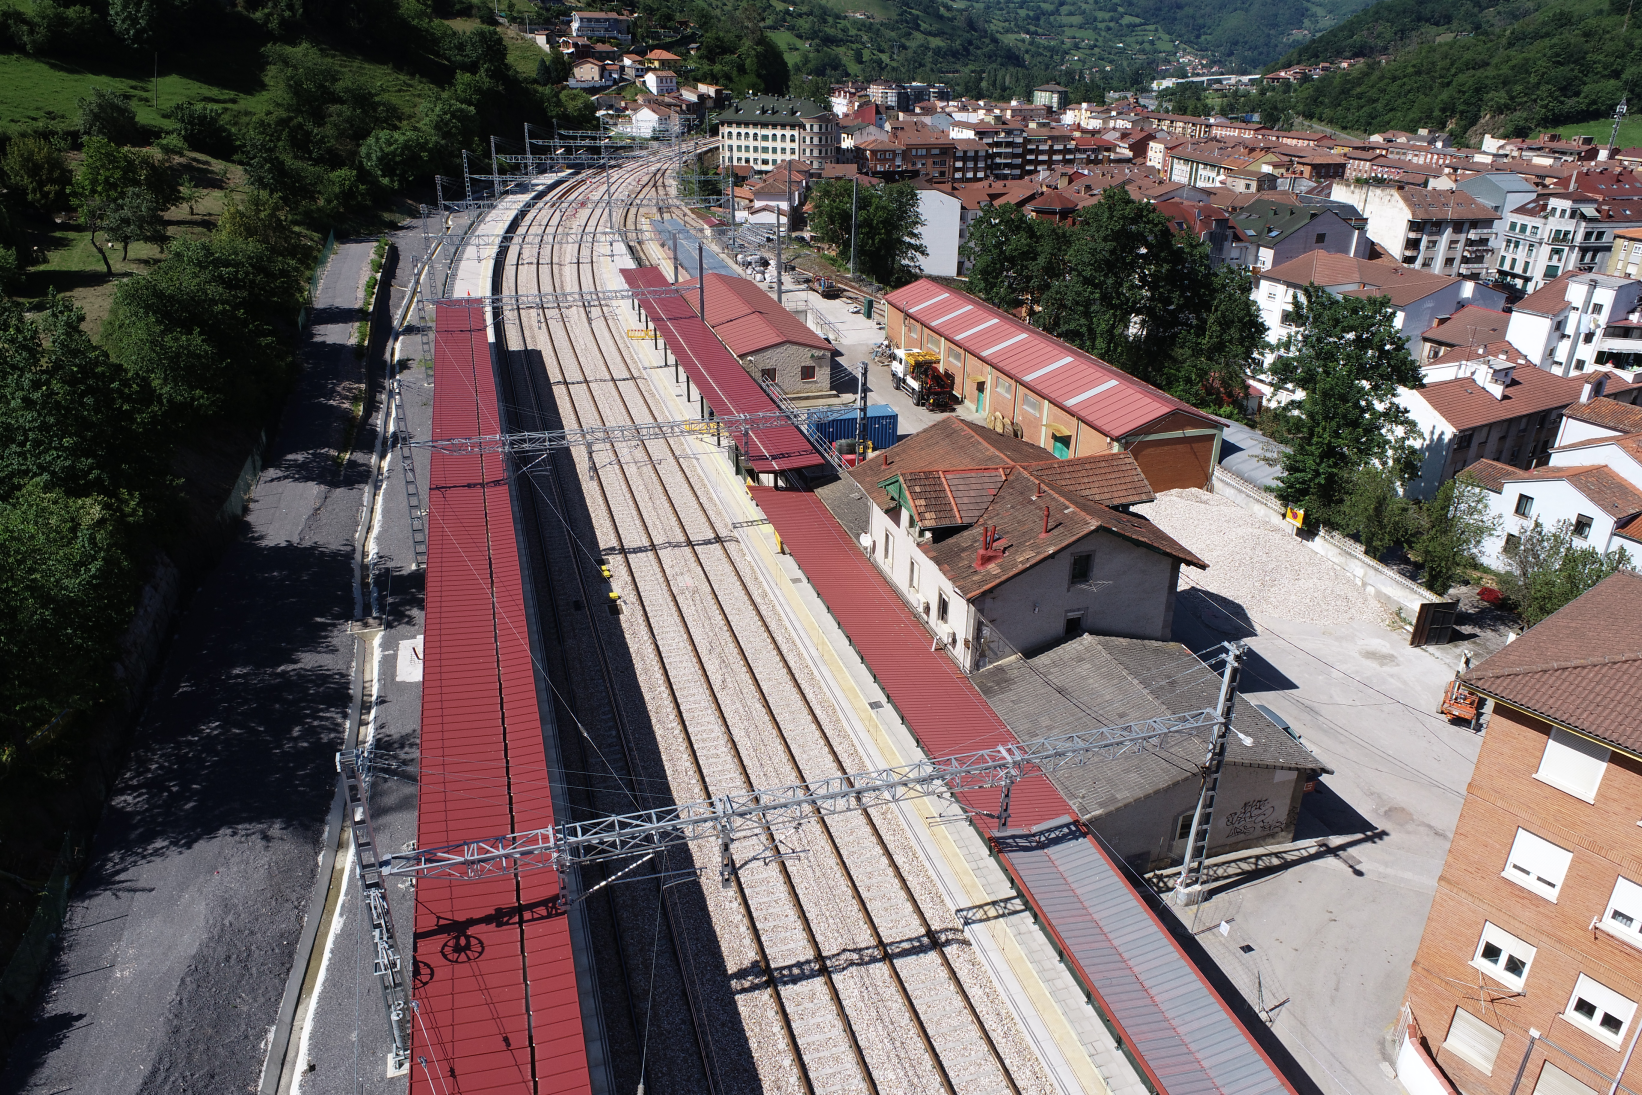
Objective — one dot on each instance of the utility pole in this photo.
(386, 962)
(1189, 887)
(855, 194)
(675, 256)
(701, 281)
(861, 414)
(778, 242)
(1618, 116)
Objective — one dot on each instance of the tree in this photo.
(1547, 570)
(70, 417)
(203, 329)
(1347, 361)
(1011, 256)
(397, 157)
(106, 173)
(1375, 511)
(134, 218)
(1131, 289)
(66, 589)
(33, 166)
(887, 227)
(1211, 364)
(262, 219)
(107, 115)
(1457, 522)
(11, 270)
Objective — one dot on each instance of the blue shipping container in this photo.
(883, 424)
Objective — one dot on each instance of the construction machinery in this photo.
(919, 374)
(1460, 701)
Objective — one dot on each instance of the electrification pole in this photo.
(855, 193)
(1189, 887)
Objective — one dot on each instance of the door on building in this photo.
(1074, 624)
(1060, 444)
(1182, 834)
(980, 397)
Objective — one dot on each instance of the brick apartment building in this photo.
(1527, 978)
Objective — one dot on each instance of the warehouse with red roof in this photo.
(1040, 389)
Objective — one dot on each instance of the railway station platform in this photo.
(496, 1004)
(1173, 1025)
(724, 386)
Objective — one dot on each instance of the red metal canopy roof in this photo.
(728, 388)
(494, 984)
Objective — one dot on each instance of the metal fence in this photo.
(33, 953)
(313, 282)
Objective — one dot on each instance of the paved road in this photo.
(1334, 936)
(181, 936)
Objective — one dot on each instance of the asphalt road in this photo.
(182, 933)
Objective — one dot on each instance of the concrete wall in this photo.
(942, 214)
(1376, 581)
(1255, 806)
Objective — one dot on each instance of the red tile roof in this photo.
(747, 319)
(1490, 475)
(1548, 300)
(1600, 484)
(1580, 667)
(1374, 276)
(1099, 394)
(1610, 414)
(1472, 325)
(1465, 405)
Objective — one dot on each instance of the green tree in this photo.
(134, 218)
(33, 166)
(1457, 522)
(1548, 569)
(1010, 256)
(1347, 359)
(203, 330)
(1375, 511)
(66, 589)
(262, 218)
(886, 229)
(1211, 363)
(1131, 290)
(106, 114)
(397, 157)
(70, 417)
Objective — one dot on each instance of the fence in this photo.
(34, 951)
(313, 282)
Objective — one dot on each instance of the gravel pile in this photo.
(1259, 565)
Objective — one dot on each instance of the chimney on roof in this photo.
(1045, 531)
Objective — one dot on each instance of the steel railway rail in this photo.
(958, 1052)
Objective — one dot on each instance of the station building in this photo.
(1035, 387)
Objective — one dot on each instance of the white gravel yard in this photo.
(1260, 566)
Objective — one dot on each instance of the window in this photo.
(1002, 388)
(1573, 764)
(1538, 865)
(1623, 915)
(1287, 318)
(1322, 237)
(912, 574)
(1525, 505)
(806, 372)
(889, 549)
(1473, 1041)
(1503, 956)
(1554, 1081)
(1031, 404)
(1582, 527)
(1512, 542)
(1598, 1010)
(1082, 565)
(767, 374)
(1463, 441)
(1183, 827)
(941, 607)
(1074, 624)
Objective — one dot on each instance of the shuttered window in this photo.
(1623, 917)
(1473, 1041)
(1573, 764)
(1554, 1081)
(1537, 864)
(1599, 1010)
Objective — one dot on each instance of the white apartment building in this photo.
(1444, 231)
(1580, 321)
(1593, 482)
(1560, 233)
(763, 131)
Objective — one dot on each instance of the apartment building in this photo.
(1528, 974)
(1005, 144)
(1560, 232)
(1279, 231)
(1444, 231)
(1580, 321)
(1052, 96)
(1626, 257)
(1484, 403)
(889, 95)
(600, 24)
(763, 131)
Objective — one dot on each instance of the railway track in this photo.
(845, 970)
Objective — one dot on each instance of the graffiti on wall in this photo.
(1255, 817)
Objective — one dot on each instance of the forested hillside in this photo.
(1512, 69)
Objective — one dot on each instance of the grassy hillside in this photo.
(1513, 69)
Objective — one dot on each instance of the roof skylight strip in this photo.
(1075, 400)
(950, 315)
(972, 330)
(1003, 345)
(927, 303)
(1047, 368)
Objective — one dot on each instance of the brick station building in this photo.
(1529, 973)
